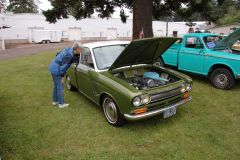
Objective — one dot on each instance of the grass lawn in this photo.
(31, 128)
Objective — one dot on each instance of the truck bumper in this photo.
(154, 112)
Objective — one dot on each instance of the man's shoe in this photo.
(54, 103)
(63, 105)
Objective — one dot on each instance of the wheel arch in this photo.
(106, 94)
(219, 65)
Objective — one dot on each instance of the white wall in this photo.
(91, 27)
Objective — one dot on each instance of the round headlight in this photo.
(137, 101)
(183, 88)
(146, 99)
(188, 86)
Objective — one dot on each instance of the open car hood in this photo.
(228, 41)
(144, 51)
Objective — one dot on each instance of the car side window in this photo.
(193, 42)
(86, 58)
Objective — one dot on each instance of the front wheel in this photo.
(222, 78)
(111, 112)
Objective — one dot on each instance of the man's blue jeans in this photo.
(57, 89)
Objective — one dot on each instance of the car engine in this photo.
(149, 80)
(144, 79)
(144, 83)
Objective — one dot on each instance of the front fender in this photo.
(120, 92)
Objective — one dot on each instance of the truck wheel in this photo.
(111, 112)
(48, 41)
(222, 78)
(69, 85)
(43, 42)
(159, 62)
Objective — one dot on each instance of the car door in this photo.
(72, 71)
(83, 73)
(191, 56)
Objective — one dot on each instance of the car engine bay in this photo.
(144, 78)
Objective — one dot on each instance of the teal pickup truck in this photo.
(206, 54)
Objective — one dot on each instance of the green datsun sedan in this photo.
(120, 77)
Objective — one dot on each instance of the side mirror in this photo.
(82, 68)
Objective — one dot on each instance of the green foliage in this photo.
(230, 19)
(84, 9)
(230, 13)
(22, 6)
(207, 128)
(161, 8)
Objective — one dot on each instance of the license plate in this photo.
(169, 112)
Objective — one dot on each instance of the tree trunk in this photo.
(142, 18)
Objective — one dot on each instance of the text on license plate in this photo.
(169, 112)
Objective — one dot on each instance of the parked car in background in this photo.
(121, 78)
(46, 36)
(236, 46)
(206, 54)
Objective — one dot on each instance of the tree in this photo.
(230, 12)
(2, 5)
(22, 6)
(143, 10)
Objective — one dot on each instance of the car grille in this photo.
(165, 95)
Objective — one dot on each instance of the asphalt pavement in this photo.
(31, 49)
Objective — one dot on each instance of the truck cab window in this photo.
(193, 42)
(86, 58)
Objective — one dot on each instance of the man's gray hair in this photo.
(76, 45)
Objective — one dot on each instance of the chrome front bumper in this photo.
(154, 112)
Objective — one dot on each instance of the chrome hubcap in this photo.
(110, 110)
(158, 64)
(222, 79)
(68, 83)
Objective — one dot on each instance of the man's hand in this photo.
(62, 80)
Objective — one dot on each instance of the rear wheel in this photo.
(43, 41)
(69, 85)
(48, 41)
(222, 78)
(159, 62)
(111, 112)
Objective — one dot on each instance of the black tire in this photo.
(159, 62)
(68, 84)
(111, 112)
(222, 78)
(48, 41)
(43, 41)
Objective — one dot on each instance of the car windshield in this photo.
(211, 41)
(106, 55)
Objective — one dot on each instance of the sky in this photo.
(45, 4)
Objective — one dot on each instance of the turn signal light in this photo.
(140, 110)
(186, 95)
